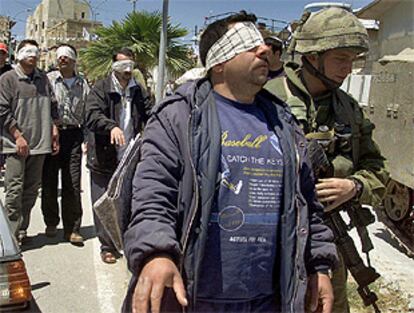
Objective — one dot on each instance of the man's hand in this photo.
(319, 297)
(117, 136)
(157, 274)
(55, 140)
(84, 147)
(335, 191)
(22, 148)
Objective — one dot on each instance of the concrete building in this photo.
(396, 26)
(5, 29)
(59, 21)
(74, 32)
(390, 27)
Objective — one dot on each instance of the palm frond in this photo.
(141, 32)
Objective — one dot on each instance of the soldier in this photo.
(329, 41)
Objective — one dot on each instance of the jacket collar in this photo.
(293, 71)
(22, 76)
(116, 86)
(57, 75)
(199, 91)
(112, 88)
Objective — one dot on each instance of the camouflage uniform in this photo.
(330, 29)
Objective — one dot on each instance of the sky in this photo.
(187, 13)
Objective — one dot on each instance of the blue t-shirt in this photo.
(241, 247)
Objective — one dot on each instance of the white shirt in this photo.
(125, 113)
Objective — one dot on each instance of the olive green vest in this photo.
(345, 108)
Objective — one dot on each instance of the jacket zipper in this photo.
(297, 225)
(194, 208)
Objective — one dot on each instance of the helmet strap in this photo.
(320, 73)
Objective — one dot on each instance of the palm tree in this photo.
(139, 31)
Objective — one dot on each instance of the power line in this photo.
(133, 4)
(23, 4)
(99, 4)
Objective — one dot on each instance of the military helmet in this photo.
(330, 28)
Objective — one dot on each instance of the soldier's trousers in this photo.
(339, 280)
(22, 182)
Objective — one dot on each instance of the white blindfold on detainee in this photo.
(66, 52)
(123, 66)
(27, 52)
(242, 37)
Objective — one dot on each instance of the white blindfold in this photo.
(242, 37)
(123, 66)
(66, 52)
(27, 52)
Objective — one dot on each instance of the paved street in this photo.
(394, 266)
(66, 278)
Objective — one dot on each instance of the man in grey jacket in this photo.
(224, 216)
(28, 115)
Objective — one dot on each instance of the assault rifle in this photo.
(359, 217)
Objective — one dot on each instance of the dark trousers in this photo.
(99, 184)
(261, 305)
(22, 182)
(68, 161)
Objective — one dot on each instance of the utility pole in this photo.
(161, 57)
(10, 23)
(133, 4)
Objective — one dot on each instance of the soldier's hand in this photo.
(157, 274)
(335, 191)
(22, 148)
(117, 136)
(319, 296)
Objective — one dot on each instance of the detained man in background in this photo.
(117, 109)
(28, 115)
(70, 90)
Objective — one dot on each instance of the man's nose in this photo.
(263, 51)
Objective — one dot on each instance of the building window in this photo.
(83, 15)
(36, 27)
(43, 25)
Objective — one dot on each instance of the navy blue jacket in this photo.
(174, 186)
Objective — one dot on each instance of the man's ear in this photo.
(219, 68)
(313, 59)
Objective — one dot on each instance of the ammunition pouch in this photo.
(320, 163)
(342, 166)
